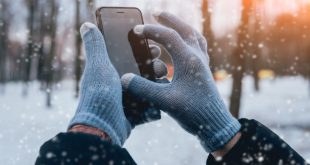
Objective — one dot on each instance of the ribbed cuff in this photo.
(221, 126)
(221, 138)
(93, 121)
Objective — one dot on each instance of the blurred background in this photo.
(260, 58)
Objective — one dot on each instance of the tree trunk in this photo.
(3, 44)
(78, 43)
(91, 10)
(41, 53)
(309, 85)
(27, 61)
(238, 60)
(257, 39)
(256, 78)
(235, 98)
(208, 33)
(51, 56)
(308, 68)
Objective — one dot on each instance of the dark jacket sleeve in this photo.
(78, 148)
(258, 146)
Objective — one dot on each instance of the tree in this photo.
(48, 50)
(305, 25)
(36, 26)
(50, 71)
(308, 66)
(283, 44)
(3, 42)
(42, 53)
(90, 16)
(239, 57)
(255, 51)
(208, 33)
(78, 42)
(30, 24)
(91, 10)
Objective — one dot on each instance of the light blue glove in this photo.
(100, 104)
(192, 97)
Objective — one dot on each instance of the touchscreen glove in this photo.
(192, 97)
(100, 105)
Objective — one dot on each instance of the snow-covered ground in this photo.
(25, 123)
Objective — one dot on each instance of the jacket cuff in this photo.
(93, 121)
(81, 147)
(258, 145)
(235, 155)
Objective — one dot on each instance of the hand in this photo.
(100, 104)
(191, 98)
(133, 111)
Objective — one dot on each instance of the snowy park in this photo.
(283, 104)
(258, 53)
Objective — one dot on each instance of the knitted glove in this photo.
(135, 113)
(191, 98)
(100, 105)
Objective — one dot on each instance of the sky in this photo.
(226, 13)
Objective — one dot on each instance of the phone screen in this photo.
(127, 52)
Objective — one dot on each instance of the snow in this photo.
(25, 123)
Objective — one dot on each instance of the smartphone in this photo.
(129, 54)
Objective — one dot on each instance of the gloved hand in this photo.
(138, 111)
(100, 104)
(192, 97)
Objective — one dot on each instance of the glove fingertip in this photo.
(86, 27)
(126, 80)
(160, 68)
(156, 13)
(155, 51)
(139, 29)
